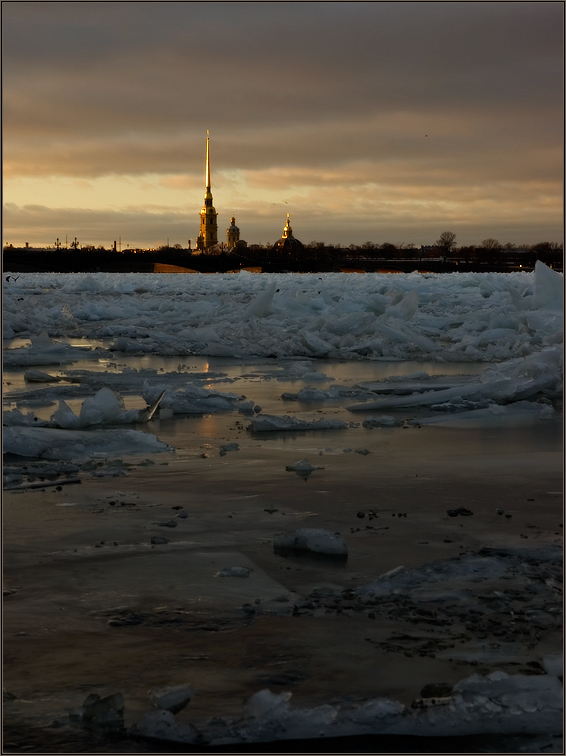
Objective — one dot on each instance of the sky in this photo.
(366, 121)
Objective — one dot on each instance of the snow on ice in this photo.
(54, 443)
(456, 316)
(498, 702)
(511, 322)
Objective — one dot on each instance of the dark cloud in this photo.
(84, 68)
(413, 95)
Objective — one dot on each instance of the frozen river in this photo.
(418, 417)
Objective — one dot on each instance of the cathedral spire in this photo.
(208, 236)
(207, 169)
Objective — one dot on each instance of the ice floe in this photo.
(53, 443)
(457, 316)
(494, 703)
(265, 423)
(191, 399)
(512, 380)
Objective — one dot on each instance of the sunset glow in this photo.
(366, 121)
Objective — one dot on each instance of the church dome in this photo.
(287, 242)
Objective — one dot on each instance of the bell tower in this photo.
(232, 234)
(208, 236)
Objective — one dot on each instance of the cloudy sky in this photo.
(369, 121)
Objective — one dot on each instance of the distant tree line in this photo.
(490, 251)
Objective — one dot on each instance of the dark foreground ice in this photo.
(139, 555)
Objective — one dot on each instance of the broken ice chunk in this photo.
(287, 423)
(383, 421)
(264, 702)
(303, 468)
(240, 572)
(173, 698)
(38, 376)
(161, 724)
(316, 541)
(229, 447)
(16, 417)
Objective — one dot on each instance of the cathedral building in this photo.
(207, 240)
(287, 242)
(208, 236)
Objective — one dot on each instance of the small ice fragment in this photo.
(303, 468)
(229, 447)
(37, 376)
(264, 702)
(554, 664)
(383, 421)
(162, 725)
(173, 698)
(264, 423)
(240, 572)
(247, 408)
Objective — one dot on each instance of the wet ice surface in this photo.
(371, 407)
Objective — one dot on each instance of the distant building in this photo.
(287, 242)
(208, 236)
(232, 234)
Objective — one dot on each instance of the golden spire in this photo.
(287, 231)
(207, 169)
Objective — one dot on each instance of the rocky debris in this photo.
(157, 540)
(315, 541)
(173, 698)
(458, 608)
(166, 617)
(363, 452)
(16, 483)
(127, 619)
(494, 703)
(433, 694)
(7, 696)
(168, 524)
(240, 572)
(41, 474)
(462, 511)
(100, 714)
(422, 703)
(370, 513)
(182, 515)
